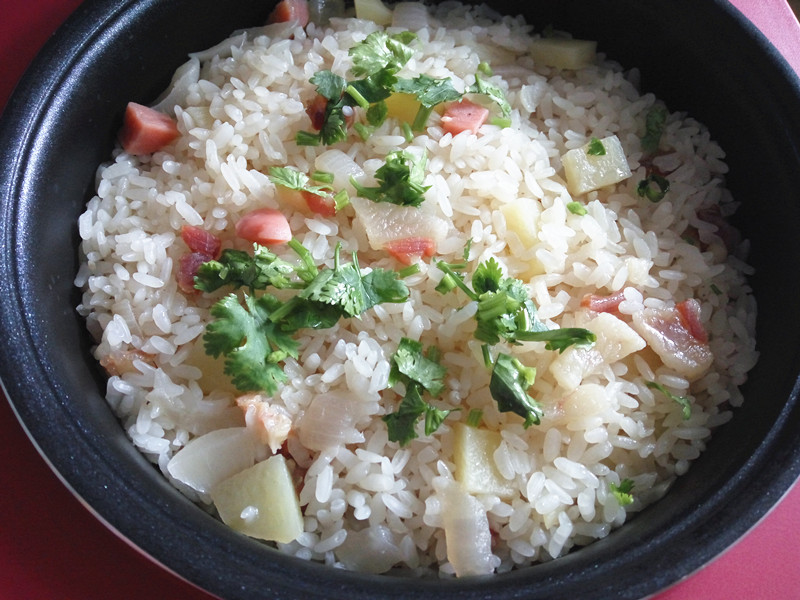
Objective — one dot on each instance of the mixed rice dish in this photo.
(418, 288)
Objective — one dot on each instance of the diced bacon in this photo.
(464, 116)
(265, 226)
(316, 111)
(407, 250)
(188, 266)
(321, 204)
(200, 240)
(690, 315)
(669, 335)
(607, 304)
(290, 10)
(270, 422)
(145, 130)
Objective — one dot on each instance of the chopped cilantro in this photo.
(409, 363)
(322, 177)
(482, 86)
(297, 180)
(400, 180)
(505, 312)
(509, 387)
(622, 492)
(252, 344)
(381, 51)
(655, 122)
(596, 148)
(683, 401)
(255, 334)
(654, 187)
(576, 208)
(418, 372)
(474, 417)
(429, 92)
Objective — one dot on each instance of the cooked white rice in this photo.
(368, 497)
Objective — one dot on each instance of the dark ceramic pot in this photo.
(701, 57)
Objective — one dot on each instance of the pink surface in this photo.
(52, 548)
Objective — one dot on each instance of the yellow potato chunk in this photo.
(261, 501)
(586, 172)
(473, 451)
(522, 217)
(403, 107)
(373, 10)
(213, 377)
(563, 53)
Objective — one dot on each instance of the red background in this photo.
(52, 548)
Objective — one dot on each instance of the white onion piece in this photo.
(386, 222)
(186, 75)
(412, 16)
(214, 456)
(467, 533)
(328, 422)
(373, 550)
(342, 167)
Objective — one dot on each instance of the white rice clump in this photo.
(368, 503)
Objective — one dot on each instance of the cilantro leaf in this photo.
(429, 92)
(654, 187)
(293, 179)
(596, 148)
(559, 339)
(253, 346)
(419, 373)
(494, 92)
(622, 492)
(239, 269)
(381, 51)
(509, 387)
(329, 85)
(655, 123)
(352, 293)
(399, 180)
(410, 364)
(683, 401)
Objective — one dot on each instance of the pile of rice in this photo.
(367, 493)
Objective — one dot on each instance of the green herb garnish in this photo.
(256, 334)
(622, 492)
(683, 401)
(655, 123)
(509, 387)
(654, 187)
(576, 208)
(419, 372)
(400, 180)
(596, 148)
(506, 313)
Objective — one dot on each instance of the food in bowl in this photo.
(418, 288)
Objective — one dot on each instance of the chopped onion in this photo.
(210, 458)
(374, 550)
(343, 168)
(328, 422)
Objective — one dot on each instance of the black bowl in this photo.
(701, 57)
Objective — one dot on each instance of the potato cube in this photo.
(563, 53)
(586, 172)
(473, 451)
(261, 501)
(373, 10)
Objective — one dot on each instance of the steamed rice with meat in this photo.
(646, 264)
